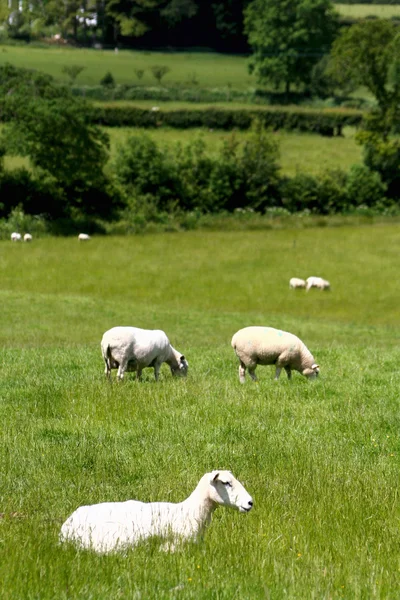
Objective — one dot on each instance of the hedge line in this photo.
(325, 123)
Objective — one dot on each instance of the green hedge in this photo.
(323, 122)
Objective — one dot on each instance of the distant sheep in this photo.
(317, 282)
(296, 283)
(27, 237)
(133, 349)
(268, 346)
(116, 526)
(15, 237)
(83, 237)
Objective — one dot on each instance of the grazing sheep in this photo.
(133, 349)
(83, 237)
(296, 283)
(119, 525)
(268, 346)
(27, 237)
(15, 237)
(317, 282)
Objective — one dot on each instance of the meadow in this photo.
(362, 11)
(321, 459)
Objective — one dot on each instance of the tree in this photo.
(368, 54)
(45, 122)
(288, 37)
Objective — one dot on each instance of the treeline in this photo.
(138, 24)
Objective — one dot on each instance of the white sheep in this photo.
(317, 282)
(27, 237)
(133, 349)
(268, 346)
(83, 237)
(119, 525)
(296, 283)
(15, 237)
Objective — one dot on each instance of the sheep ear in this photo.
(314, 366)
(214, 475)
(182, 359)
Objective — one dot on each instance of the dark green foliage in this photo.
(288, 37)
(56, 131)
(72, 71)
(108, 80)
(364, 186)
(324, 122)
(159, 71)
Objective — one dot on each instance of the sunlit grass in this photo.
(321, 460)
(361, 11)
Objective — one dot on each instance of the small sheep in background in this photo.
(117, 526)
(15, 237)
(27, 237)
(317, 282)
(268, 346)
(296, 283)
(133, 349)
(82, 237)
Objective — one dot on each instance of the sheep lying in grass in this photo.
(296, 283)
(133, 349)
(268, 346)
(317, 282)
(118, 525)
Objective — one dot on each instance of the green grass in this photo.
(321, 459)
(361, 11)
(299, 152)
(209, 69)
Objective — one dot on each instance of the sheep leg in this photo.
(242, 372)
(157, 367)
(288, 372)
(139, 374)
(123, 365)
(278, 372)
(252, 374)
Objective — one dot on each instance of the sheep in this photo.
(27, 237)
(15, 237)
(296, 283)
(268, 346)
(317, 282)
(133, 349)
(117, 526)
(83, 237)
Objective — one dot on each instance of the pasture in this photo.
(362, 11)
(192, 69)
(320, 459)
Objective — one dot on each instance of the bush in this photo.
(108, 80)
(364, 187)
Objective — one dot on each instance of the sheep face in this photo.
(311, 373)
(228, 491)
(181, 368)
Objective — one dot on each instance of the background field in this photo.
(321, 459)
(361, 11)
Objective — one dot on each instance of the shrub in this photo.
(108, 80)
(364, 187)
(159, 71)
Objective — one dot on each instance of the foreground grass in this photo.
(321, 460)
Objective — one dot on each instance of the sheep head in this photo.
(225, 490)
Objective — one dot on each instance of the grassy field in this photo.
(361, 11)
(208, 69)
(299, 152)
(320, 459)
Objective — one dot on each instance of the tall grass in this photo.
(321, 460)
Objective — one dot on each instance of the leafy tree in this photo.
(368, 54)
(45, 122)
(288, 37)
(159, 71)
(72, 71)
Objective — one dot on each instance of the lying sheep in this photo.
(83, 237)
(27, 237)
(317, 282)
(118, 525)
(15, 237)
(296, 283)
(133, 349)
(268, 346)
